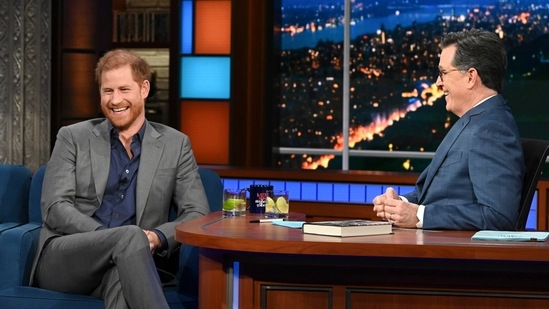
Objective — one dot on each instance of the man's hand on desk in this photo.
(390, 207)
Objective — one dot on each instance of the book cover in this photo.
(510, 236)
(346, 228)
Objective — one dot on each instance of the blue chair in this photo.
(19, 243)
(14, 194)
(19, 247)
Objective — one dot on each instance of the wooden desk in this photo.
(268, 266)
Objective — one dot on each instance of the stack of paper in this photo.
(510, 235)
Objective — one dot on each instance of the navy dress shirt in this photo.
(118, 205)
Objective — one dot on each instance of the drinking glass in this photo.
(278, 204)
(234, 202)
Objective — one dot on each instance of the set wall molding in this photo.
(25, 82)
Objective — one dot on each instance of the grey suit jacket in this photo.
(475, 178)
(76, 176)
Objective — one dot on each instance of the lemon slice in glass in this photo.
(282, 205)
(270, 207)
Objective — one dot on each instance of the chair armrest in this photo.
(17, 253)
(8, 225)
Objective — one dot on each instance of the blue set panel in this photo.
(187, 27)
(205, 77)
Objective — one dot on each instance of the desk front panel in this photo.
(271, 280)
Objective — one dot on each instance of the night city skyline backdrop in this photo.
(394, 103)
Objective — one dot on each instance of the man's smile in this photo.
(119, 109)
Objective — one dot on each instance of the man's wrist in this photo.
(163, 240)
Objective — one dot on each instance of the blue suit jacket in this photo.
(475, 178)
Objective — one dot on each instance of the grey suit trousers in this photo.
(113, 264)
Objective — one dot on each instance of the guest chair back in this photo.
(535, 154)
(213, 186)
(35, 195)
(14, 194)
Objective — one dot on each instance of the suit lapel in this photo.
(151, 152)
(442, 151)
(100, 154)
(451, 138)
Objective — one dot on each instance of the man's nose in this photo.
(116, 97)
(438, 82)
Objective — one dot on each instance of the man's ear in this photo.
(472, 78)
(145, 88)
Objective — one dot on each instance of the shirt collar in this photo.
(139, 134)
(485, 99)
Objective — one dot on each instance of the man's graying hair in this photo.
(481, 50)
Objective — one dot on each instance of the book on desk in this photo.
(347, 228)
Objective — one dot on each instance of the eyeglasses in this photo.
(442, 73)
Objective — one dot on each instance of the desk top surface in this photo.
(238, 234)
